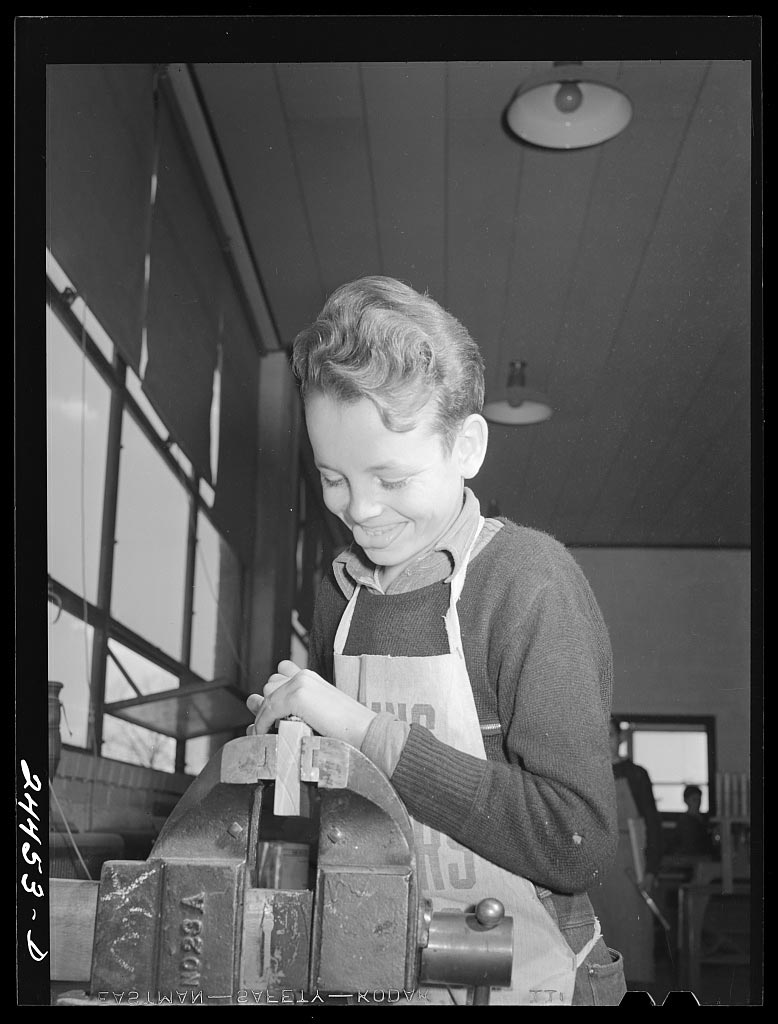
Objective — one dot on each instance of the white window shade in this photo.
(99, 155)
(188, 279)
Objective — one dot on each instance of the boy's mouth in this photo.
(377, 536)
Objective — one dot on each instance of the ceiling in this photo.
(620, 273)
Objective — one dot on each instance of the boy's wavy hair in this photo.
(377, 338)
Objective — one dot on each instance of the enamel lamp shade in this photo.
(520, 403)
(568, 107)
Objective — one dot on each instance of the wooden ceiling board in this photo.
(330, 145)
(254, 140)
(637, 414)
(405, 107)
(550, 225)
(714, 504)
(684, 454)
(617, 233)
(483, 171)
(323, 92)
(686, 232)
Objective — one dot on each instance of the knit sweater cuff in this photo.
(452, 781)
(384, 741)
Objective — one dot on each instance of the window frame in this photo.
(694, 723)
(97, 614)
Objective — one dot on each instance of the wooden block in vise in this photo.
(288, 748)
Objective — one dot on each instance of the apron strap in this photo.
(341, 634)
(457, 583)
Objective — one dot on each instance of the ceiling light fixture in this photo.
(521, 404)
(568, 107)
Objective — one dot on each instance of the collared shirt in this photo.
(352, 567)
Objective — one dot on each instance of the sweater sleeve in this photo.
(547, 812)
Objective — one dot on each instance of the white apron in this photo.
(436, 692)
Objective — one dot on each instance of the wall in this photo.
(114, 810)
(679, 621)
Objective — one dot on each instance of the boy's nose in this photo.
(363, 505)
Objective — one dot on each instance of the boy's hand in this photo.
(300, 692)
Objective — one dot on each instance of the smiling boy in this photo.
(465, 656)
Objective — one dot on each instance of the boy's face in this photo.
(397, 492)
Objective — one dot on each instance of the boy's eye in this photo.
(332, 482)
(394, 485)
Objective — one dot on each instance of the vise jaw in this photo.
(192, 918)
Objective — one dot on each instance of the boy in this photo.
(469, 659)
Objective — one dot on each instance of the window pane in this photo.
(124, 741)
(671, 757)
(197, 754)
(85, 316)
(78, 402)
(151, 537)
(216, 606)
(669, 796)
(70, 660)
(148, 677)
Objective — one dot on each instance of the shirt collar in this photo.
(352, 566)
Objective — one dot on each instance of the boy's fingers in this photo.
(274, 683)
(288, 668)
(254, 702)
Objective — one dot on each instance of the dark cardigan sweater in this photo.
(539, 660)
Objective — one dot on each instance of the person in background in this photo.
(464, 655)
(692, 837)
(624, 915)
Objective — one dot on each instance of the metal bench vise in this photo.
(192, 921)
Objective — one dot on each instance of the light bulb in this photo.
(568, 97)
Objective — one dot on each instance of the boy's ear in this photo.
(471, 443)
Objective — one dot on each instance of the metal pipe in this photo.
(463, 951)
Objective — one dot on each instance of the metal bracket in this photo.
(324, 761)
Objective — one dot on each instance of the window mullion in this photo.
(189, 587)
(107, 544)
